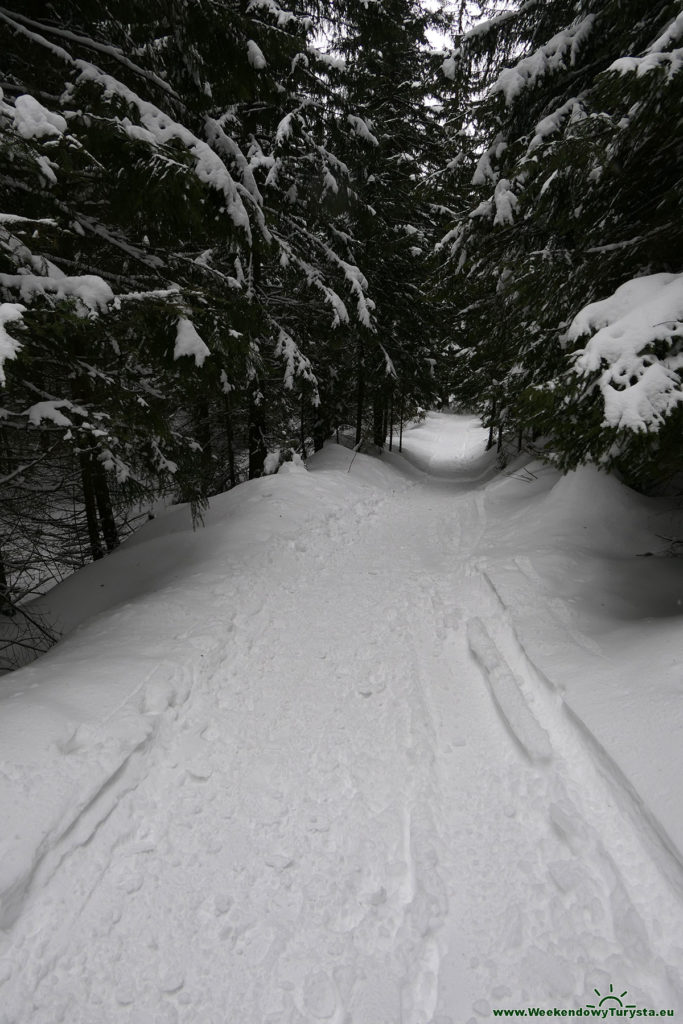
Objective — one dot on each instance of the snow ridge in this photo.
(507, 694)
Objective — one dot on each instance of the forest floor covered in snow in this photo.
(390, 740)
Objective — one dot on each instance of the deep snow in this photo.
(389, 741)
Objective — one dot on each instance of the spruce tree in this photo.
(389, 131)
(573, 194)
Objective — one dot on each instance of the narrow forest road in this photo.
(337, 823)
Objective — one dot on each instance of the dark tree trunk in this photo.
(90, 504)
(6, 606)
(378, 420)
(391, 421)
(360, 398)
(321, 429)
(400, 432)
(302, 427)
(229, 441)
(257, 430)
(104, 506)
(499, 445)
(489, 443)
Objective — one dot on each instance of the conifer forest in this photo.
(231, 229)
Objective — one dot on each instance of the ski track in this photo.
(348, 831)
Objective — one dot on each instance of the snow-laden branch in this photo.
(91, 291)
(656, 55)
(558, 53)
(296, 363)
(10, 312)
(636, 348)
(92, 44)
(161, 129)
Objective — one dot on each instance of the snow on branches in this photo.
(636, 349)
(557, 54)
(10, 312)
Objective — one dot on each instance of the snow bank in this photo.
(586, 571)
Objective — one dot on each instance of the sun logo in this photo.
(610, 998)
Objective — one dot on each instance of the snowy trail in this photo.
(349, 818)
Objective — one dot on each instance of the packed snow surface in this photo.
(390, 740)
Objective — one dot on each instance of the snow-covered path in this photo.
(368, 808)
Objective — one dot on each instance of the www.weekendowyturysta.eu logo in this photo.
(609, 1005)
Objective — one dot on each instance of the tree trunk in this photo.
(229, 440)
(378, 421)
(257, 429)
(360, 398)
(400, 432)
(302, 423)
(6, 606)
(489, 443)
(104, 506)
(391, 421)
(89, 501)
(321, 429)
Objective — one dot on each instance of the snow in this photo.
(34, 121)
(507, 693)
(484, 170)
(449, 68)
(390, 740)
(90, 291)
(52, 411)
(639, 387)
(159, 128)
(650, 62)
(284, 129)
(557, 54)
(296, 363)
(506, 203)
(656, 56)
(10, 312)
(189, 343)
(255, 55)
(362, 129)
(573, 110)
(672, 34)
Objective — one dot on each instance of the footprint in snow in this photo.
(320, 997)
(372, 684)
